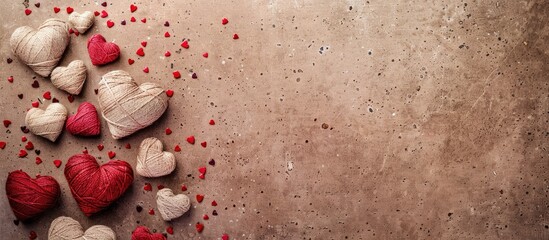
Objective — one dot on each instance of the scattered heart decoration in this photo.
(171, 206)
(102, 52)
(143, 233)
(81, 22)
(85, 122)
(128, 107)
(47, 123)
(65, 228)
(152, 161)
(96, 187)
(41, 49)
(30, 197)
(70, 78)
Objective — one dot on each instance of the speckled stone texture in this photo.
(334, 119)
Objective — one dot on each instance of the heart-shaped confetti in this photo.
(169, 93)
(140, 52)
(185, 44)
(133, 8)
(70, 10)
(190, 139)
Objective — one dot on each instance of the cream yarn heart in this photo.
(70, 78)
(41, 49)
(82, 22)
(171, 206)
(47, 123)
(128, 107)
(66, 228)
(152, 161)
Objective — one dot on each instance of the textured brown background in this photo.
(436, 113)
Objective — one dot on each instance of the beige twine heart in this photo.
(171, 206)
(48, 123)
(41, 49)
(82, 22)
(128, 107)
(70, 78)
(66, 228)
(152, 161)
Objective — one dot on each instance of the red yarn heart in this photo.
(101, 52)
(143, 233)
(85, 122)
(29, 197)
(95, 187)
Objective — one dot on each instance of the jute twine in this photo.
(152, 161)
(41, 49)
(171, 206)
(70, 78)
(66, 228)
(82, 22)
(128, 107)
(47, 123)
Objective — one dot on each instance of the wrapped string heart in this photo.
(47, 123)
(66, 228)
(81, 22)
(171, 206)
(30, 197)
(70, 78)
(152, 161)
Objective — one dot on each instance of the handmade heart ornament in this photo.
(102, 52)
(85, 122)
(152, 161)
(171, 206)
(143, 233)
(47, 123)
(70, 78)
(41, 49)
(82, 22)
(95, 187)
(128, 107)
(30, 197)
(66, 228)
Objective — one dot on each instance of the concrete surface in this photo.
(334, 119)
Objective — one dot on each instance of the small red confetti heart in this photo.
(214, 203)
(32, 235)
(47, 95)
(205, 55)
(131, 61)
(176, 74)
(22, 153)
(169, 230)
(144, 43)
(177, 148)
(169, 93)
(104, 14)
(160, 186)
(199, 198)
(7, 123)
(70, 98)
(167, 34)
(194, 76)
(212, 122)
(132, 19)
(10, 79)
(190, 139)
(35, 84)
(104, 4)
(146, 69)
(37, 5)
(204, 144)
(140, 52)
(144, 20)
(202, 170)
(225, 236)
(28, 11)
(128, 146)
(2, 144)
(235, 36)
(133, 8)
(85, 151)
(70, 10)
(167, 54)
(23, 139)
(199, 227)
(166, 24)
(110, 23)
(202, 176)
(183, 188)
(111, 154)
(147, 187)
(100, 147)
(29, 146)
(57, 163)
(96, 13)
(224, 21)
(38, 160)
(56, 9)
(185, 44)
(168, 131)
(151, 211)
(205, 217)
(35, 104)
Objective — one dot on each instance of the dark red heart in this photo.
(85, 122)
(30, 197)
(143, 233)
(101, 52)
(96, 187)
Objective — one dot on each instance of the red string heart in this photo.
(102, 52)
(85, 122)
(142, 233)
(29, 197)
